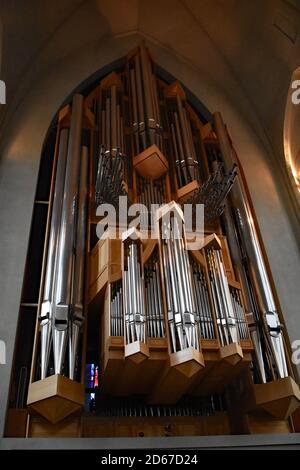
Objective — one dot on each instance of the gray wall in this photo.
(23, 133)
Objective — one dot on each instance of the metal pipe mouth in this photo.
(61, 325)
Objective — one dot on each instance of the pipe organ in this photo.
(171, 330)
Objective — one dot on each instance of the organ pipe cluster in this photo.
(186, 161)
(226, 319)
(133, 294)
(214, 191)
(110, 116)
(266, 331)
(111, 165)
(146, 123)
(62, 308)
(204, 313)
(110, 177)
(239, 313)
(181, 310)
(154, 299)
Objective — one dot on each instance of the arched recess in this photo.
(292, 133)
(21, 150)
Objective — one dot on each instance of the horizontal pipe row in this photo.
(189, 407)
(151, 288)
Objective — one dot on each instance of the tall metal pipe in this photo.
(78, 280)
(140, 101)
(113, 113)
(47, 305)
(147, 89)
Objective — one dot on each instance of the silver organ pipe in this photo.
(252, 247)
(46, 317)
(148, 93)
(188, 145)
(78, 274)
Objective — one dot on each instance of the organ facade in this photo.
(187, 341)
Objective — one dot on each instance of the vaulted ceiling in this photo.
(249, 48)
